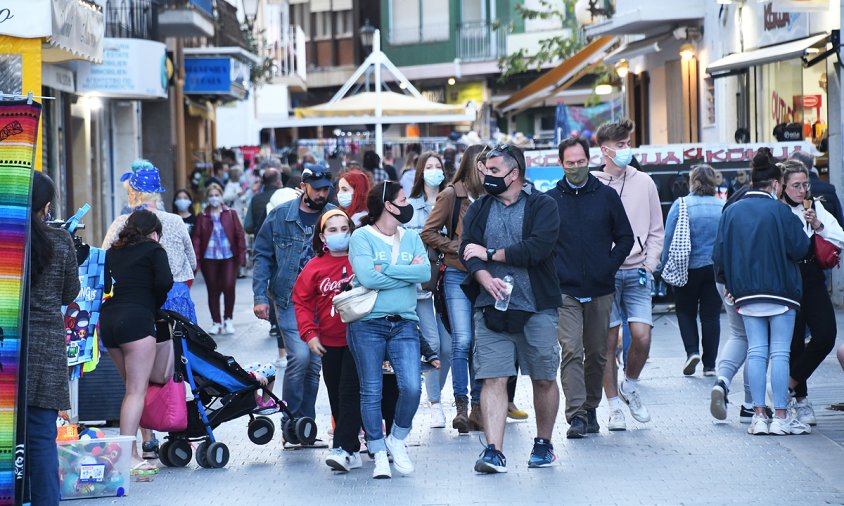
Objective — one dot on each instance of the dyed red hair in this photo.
(361, 186)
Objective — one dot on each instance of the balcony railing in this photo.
(130, 19)
(288, 54)
(479, 41)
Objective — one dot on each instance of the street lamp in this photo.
(687, 51)
(367, 33)
(622, 68)
(250, 12)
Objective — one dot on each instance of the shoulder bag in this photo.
(357, 303)
(827, 255)
(675, 272)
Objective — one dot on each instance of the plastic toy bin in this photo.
(95, 467)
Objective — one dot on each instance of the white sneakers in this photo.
(804, 412)
(634, 402)
(382, 466)
(215, 329)
(790, 425)
(228, 327)
(617, 421)
(437, 416)
(401, 460)
(759, 425)
(341, 460)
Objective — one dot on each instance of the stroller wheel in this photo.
(261, 430)
(217, 455)
(179, 453)
(288, 432)
(202, 455)
(163, 454)
(306, 430)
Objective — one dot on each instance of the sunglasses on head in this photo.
(384, 191)
(507, 149)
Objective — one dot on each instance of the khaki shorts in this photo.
(536, 349)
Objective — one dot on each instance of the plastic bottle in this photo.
(502, 304)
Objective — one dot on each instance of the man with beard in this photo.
(275, 273)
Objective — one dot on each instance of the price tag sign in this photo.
(92, 473)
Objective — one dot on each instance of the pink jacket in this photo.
(641, 202)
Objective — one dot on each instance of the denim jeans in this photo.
(42, 457)
(438, 338)
(778, 329)
(370, 341)
(462, 335)
(301, 378)
(734, 352)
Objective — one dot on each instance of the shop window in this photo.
(792, 102)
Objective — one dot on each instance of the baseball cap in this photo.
(317, 176)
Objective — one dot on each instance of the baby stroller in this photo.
(222, 391)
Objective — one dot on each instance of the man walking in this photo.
(282, 248)
(591, 246)
(634, 279)
(510, 234)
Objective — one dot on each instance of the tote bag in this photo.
(165, 408)
(357, 303)
(675, 272)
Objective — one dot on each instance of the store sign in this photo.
(463, 93)
(131, 68)
(78, 28)
(28, 19)
(58, 78)
(781, 26)
(216, 76)
(801, 5)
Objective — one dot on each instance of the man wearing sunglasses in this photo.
(512, 231)
(282, 248)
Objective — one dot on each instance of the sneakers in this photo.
(228, 327)
(341, 460)
(461, 420)
(437, 416)
(746, 414)
(804, 412)
(543, 453)
(708, 373)
(514, 413)
(577, 429)
(382, 466)
(149, 449)
(491, 461)
(634, 402)
(759, 425)
(215, 329)
(267, 407)
(718, 401)
(787, 426)
(592, 426)
(691, 364)
(274, 331)
(401, 460)
(617, 421)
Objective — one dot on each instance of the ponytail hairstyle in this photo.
(41, 249)
(764, 169)
(319, 246)
(139, 226)
(386, 191)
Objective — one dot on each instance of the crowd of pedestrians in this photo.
(479, 276)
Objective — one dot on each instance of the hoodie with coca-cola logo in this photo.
(320, 280)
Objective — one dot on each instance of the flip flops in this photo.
(143, 471)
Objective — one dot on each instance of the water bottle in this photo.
(502, 304)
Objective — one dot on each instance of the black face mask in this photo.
(788, 199)
(314, 205)
(495, 185)
(405, 213)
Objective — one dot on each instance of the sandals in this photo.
(143, 471)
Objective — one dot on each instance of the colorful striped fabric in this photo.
(19, 126)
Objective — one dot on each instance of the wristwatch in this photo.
(489, 253)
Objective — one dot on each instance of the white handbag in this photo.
(357, 303)
(675, 272)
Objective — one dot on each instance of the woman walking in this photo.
(704, 212)
(53, 283)
(388, 258)
(183, 206)
(220, 243)
(816, 309)
(758, 245)
(138, 265)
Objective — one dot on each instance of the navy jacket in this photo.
(828, 196)
(535, 251)
(595, 237)
(758, 246)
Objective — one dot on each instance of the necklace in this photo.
(382, 232)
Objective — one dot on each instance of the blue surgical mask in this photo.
(433, 177)
(182, 204)
(623, 157)
(215, 201)
(345, 199)
(337, 242)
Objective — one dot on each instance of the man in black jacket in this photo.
(511, 231)
(591, 246)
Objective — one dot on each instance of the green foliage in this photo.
(261, 73)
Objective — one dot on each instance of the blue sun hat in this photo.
(144, 177)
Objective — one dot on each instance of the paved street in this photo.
(682, 457)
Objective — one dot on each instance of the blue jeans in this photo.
(301, 378)
(437, 337)
(42, 456)
(371, 341)
(462, 332)
(779, 329)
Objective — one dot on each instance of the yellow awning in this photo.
(392, 104)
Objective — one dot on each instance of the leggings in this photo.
(817, 312)
(220, 278)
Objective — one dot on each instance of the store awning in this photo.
(392, 104)
(78, 29)
(733, 63)
(646, 46)
(559, 78)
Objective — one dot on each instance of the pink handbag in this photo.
(165, 408)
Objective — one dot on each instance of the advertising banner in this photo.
(131, 68)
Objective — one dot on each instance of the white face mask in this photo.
(345, 199)
(215, 201)
(182, 204)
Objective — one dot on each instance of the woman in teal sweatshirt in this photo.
(388, 258)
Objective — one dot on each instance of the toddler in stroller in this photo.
(220, 391)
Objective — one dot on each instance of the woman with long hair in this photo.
(704, 212)
(352, 189)
(53, 283)
(816, 309)
(388, 258)
(142, 278)
(220, 244)
(183, 207)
